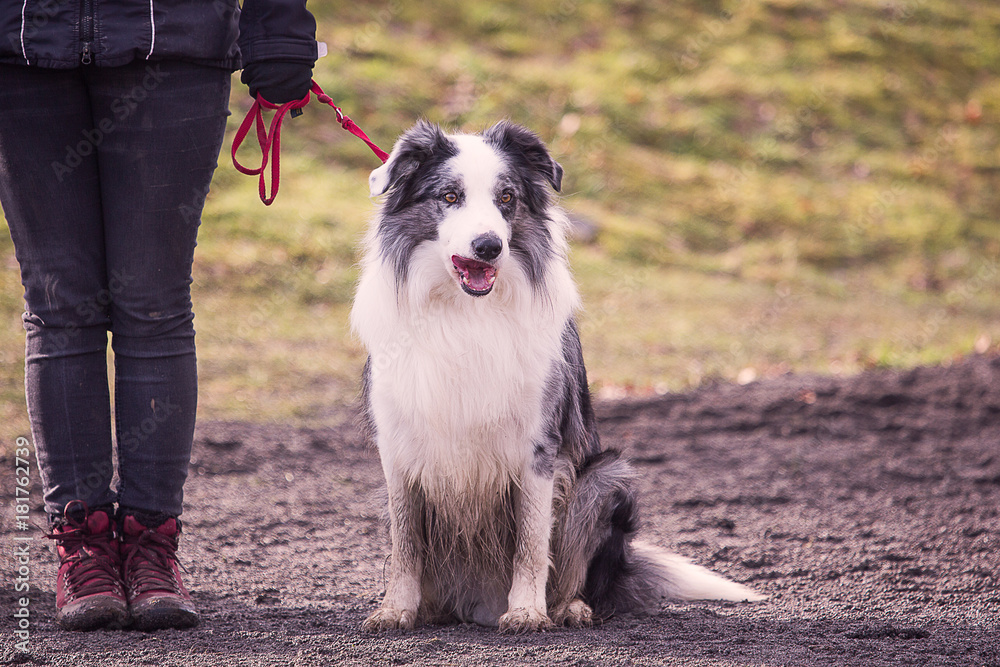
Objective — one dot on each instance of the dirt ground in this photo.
(867, 508)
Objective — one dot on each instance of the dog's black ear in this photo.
(417, 146)
(527, 148)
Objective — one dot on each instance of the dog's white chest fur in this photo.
(457, 382)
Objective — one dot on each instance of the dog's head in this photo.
(481, 198)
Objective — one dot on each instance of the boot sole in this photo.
(94, 613)
(164, 613)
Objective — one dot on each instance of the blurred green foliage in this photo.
(856, 131)
(777, 185)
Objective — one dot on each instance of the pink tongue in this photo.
(479, 280)
(477, 276)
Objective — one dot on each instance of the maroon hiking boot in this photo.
(89, 589)
(156, 596)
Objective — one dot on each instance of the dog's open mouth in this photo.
(476, 277)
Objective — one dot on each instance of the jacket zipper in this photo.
(86, 30)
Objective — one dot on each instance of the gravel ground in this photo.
(867, 508)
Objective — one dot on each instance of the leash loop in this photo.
(270, 138)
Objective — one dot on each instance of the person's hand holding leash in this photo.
(276, 81)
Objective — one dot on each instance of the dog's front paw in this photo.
(524, 619)
(575, 614)
(388, 618)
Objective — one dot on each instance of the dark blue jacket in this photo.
(66, 33)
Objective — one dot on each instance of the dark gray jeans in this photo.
(103, 176)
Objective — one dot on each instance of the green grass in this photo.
(776, 185)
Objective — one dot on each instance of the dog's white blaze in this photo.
(478, 166)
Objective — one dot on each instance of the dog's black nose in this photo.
(487, 247)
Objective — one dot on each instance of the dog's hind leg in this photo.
(595, 507)
(402, 597)
(526, 610)
(597, 561)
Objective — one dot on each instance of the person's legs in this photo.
(165, 123)
(49, 186)
(51, 199)
(103, 176)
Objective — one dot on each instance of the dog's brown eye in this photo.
(506, 198)
(451, 197)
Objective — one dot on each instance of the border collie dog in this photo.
(504, 509)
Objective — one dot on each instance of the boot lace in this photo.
(149, 563)
(94, 561)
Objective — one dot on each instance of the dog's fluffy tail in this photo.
(622, 574)
(646, 575)
(676, 577)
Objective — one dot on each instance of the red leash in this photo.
(270, 139)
